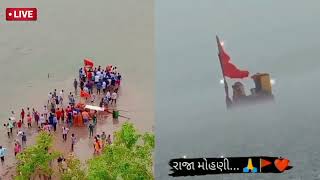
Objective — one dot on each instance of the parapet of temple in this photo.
(262, 90)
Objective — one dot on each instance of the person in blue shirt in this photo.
(54, 123)
(51, 119)
(3, 151)
(99, 86)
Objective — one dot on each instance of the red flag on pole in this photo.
(84, 94)
(88, 62)
(228, 68)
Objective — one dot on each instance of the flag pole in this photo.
(228, 100)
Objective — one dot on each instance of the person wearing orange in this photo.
(85, 116)
(58, 114)
(80, 120)
(76, 118)
(97, 145)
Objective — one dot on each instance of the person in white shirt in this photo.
(101, 76)
(64, 133)
(62, 93)
(108, 96)
(96, 78)
(42, 120)
(104, 74)
(13, 119)
(114, 98)
(86, 89)
(104, 86)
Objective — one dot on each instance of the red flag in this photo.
(88, 62)
(229, 69)
(84, 94)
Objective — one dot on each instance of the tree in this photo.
(36, 159)
(74, 171)
(129, 157)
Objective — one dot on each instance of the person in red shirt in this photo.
(62, 115)
(19, 124)
(22, 114)
(58, 114)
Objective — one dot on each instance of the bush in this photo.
(129, 157)
(35, 160)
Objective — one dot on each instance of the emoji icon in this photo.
(264, 163)
(250, 167)
(281, 164)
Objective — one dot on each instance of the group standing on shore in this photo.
(56, 112)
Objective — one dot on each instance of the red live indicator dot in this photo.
(21, 14)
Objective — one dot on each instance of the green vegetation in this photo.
(74, 171)
(36, 159)
(129, 157)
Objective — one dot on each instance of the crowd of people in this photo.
(97, 82)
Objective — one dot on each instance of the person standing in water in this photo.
(75, 85)
(13, 119)
(54, 123)
(64, 133)
(37, 118)
(45, 112)
(3, 151)
(24, 139)
(114, 98)
(8, 129)
(109, 139)
(29, 119)
(22, 115)
(10, 126)
(17, 148)
(103, 138)
(91, 127)
(73, 142)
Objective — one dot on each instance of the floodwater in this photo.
(278, 37)
(109, 32)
